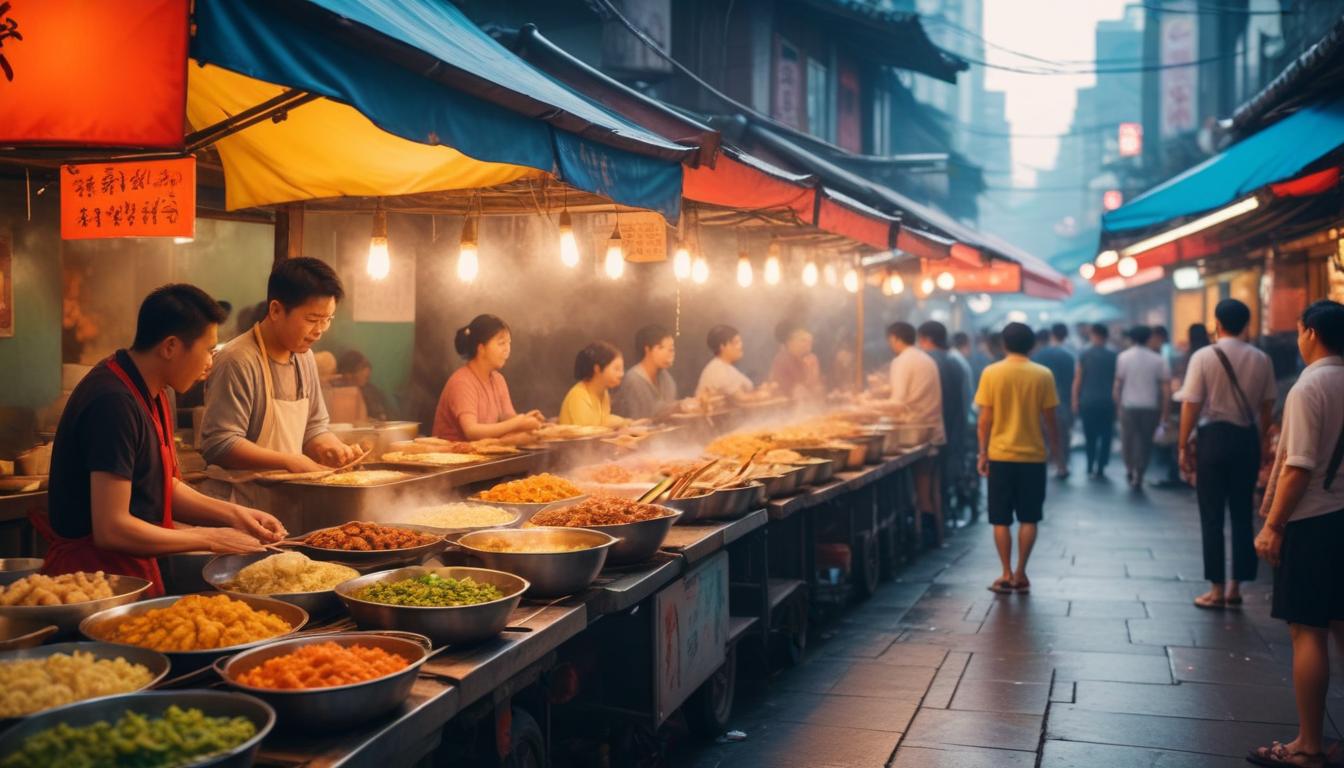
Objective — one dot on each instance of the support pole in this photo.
(858, 338)
(288, 231)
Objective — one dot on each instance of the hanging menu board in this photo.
(151, 198)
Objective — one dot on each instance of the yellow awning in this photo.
(322, 149)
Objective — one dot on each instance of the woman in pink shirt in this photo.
(475, 403)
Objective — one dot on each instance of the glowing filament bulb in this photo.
(569, 246)
(468, 262)
(615, 261)
(810, 274)
(896, 285)
(852, 280)
(700, 270)
(379, 263)
(946, 281)
(681, 263)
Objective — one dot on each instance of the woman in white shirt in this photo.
(720, 375)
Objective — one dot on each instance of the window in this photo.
(881, 141)
(820, 113)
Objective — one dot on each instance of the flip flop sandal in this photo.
(1210, 604)
(1233, 601)
(1001, 587)
(1278, 756)
(1022, 587)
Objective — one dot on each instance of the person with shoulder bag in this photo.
(1226, 402)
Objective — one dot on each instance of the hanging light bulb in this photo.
(468, 263)
(380, 263)
(945, 281)
(926, 286)
(569, 247)
(681, 262)
(700, 270)
(830, 275)
(1128, 266)
(810, 273)
(1088, 270)
(744, 273)
(615, 261)
(852, 280)
(896, 285)
(772, 264)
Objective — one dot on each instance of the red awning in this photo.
(842, 215)
(998, 276)
(742, 182)
(94, 74)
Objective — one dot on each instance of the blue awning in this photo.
(419, 69)
(1279, 152)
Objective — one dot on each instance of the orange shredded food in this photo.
(323, 665)
(536, 489)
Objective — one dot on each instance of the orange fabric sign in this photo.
(150, 198)
(93, 73)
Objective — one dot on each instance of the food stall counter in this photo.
(843, 482)
(697, 542)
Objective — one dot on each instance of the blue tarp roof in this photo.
(1279, 152)
(423, 71)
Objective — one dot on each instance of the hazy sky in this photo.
(1059, 30)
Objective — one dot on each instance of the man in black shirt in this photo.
(116, 494)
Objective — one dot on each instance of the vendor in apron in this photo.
(263, 402)
(116, 499)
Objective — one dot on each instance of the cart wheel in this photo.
(788, 644)
(708, 709)
(868, 565)
(527, 744)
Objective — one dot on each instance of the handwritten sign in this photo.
(152, 198)
(643, 235)
(690, 633)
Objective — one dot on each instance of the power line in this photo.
(1095, 71)
(1211, 10)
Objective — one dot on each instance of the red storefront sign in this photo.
(150, 198)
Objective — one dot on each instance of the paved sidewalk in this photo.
(1105, 663)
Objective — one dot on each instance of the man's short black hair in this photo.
(294, 281)
(1326, 318)
(1060, 331)
(1233, 316)
(960, 339)
(719, 337)
(1043, 337)
(903, 331)
(650, 336)
(1140, 334)
(1101, 331)
(1161, 332)
(1018, 338)
(935, 332)
(180, 310)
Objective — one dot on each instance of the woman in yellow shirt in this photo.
(599, 368)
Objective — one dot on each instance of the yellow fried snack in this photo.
(197, 623)
(36, 684)
(39, 589)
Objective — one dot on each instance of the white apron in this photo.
(283, 424)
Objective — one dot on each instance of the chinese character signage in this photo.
(643, 236)
(787, 107)
(1179, 78)
(1130, 139)
(151, 198)
(93, 73)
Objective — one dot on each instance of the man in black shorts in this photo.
(1303, 535)
(1016, 396)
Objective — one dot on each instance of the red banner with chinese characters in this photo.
(93, 73)
(150, 198)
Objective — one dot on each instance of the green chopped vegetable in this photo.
(430, 590)
(180, 736)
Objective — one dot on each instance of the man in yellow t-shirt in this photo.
(1016, 398)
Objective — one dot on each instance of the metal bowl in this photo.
(451, 534)
(157, 664)
(551, 574)
(14, 568)
(784, 483)
(740, 500)
(340, 706)
(23, 633)
(526, 511)
(637, 541)
(67, 618)
(385, 557)
(99, 627)
(449, 624)
(154, 704)
(873, 443)
(223, 570)
(816, 470)
(837, 456)
(706, 506)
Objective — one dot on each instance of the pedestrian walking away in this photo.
(1016, 397)
(1304, 527)
(1142, 384)
(1094, 399)
(1226, 402)
(1053, 354)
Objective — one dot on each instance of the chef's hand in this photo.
(228, 541)
(301, 463)
(1269, 545)
(258, 524)
(527, 422)
(335, 453)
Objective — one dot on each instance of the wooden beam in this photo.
(288, 231)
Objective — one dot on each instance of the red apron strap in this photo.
(167, 450)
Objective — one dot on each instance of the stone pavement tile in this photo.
(884, 681)
(1117, 667)
(1203, 701)
(797, 745)
(1001, 696)
(1153, 569)
(1105, 628)
(1063, 692)
(815, 675)
(997, 730)
(849, 642)
(1095, 553)
(961, 757)
(1160, 632)
(899, 594)
(1073, 754)
(1172, 591)
(1070, 722)
(1107, 609)
(1078, 588)
(1210, 665)
(873, 617)
(1014, 667)
(1026, 606)
(840, 711)
(914, 655)
(945, 682)
(1175, 610)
